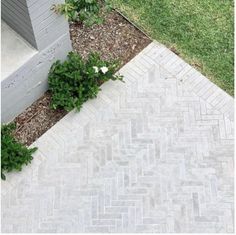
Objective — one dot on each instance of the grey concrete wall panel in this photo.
(16, 14)
(29, 82)
(34, 20)
(47, 25)
(45, 30)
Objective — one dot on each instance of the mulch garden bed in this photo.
(116, 38)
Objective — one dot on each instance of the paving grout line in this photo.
(183, 127)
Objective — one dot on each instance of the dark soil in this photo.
(116, 38)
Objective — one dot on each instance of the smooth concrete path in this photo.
(153, 154)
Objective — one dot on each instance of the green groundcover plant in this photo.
(86, 11)
(13, 154)
(76, 80)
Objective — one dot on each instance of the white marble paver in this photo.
(153, 154)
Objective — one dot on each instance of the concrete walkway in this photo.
(153, 154)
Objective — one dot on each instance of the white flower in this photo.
(104, 69)
(96, 69)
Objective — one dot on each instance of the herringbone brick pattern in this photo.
(153, 154)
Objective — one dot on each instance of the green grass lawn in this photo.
(201, 31)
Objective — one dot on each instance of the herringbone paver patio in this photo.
(153, 154)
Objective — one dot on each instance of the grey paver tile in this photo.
(153, 154)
